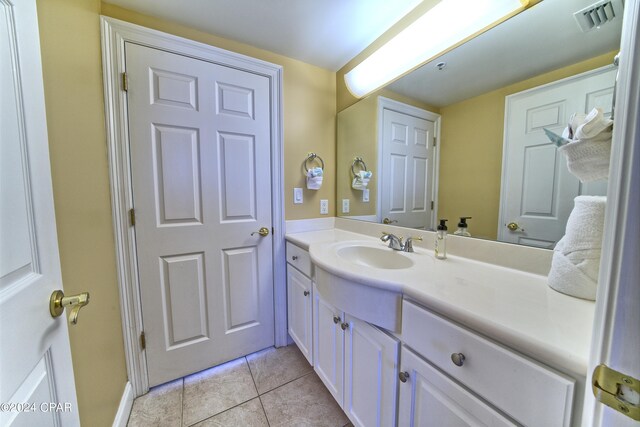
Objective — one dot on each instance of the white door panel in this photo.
(35, 358)
(538, 189)
(407, 169)
(200, 151)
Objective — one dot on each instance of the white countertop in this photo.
(515, 308)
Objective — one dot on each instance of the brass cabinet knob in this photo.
(295, 257)
(344, 326)
(404, 376)
(264, 231)
(58, 302)
(336, 319)
(306, 293)
(458, 359)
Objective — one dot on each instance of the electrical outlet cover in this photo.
(324, 207)
(345, 205)
(297, 196)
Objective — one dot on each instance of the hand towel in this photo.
(361, 180)
(576, 258)
(589, 151)
(314, 178)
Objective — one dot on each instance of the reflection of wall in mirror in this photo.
(471, 150)
(360, 139)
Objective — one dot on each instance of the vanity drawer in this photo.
(527, 391)
(299, 258)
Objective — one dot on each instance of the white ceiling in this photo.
(326, 33)
(543, 38)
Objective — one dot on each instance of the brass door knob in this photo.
(389, 221)
(513, 226)
(264, 231)
(58, 302)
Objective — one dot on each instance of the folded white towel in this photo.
(589, 151)
(361, 180)
(576, 258)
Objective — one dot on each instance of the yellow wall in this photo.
(471, 151)
(70, 39)
(309, 111)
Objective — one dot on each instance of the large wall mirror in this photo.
(463, 136)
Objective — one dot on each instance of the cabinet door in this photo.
(299, 303)
(328, 345)
(370, 375)
(430, 398)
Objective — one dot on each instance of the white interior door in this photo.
(407, 169)
(537, 188)
(200, 154)
(37, 387)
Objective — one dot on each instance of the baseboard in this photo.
(126, 403)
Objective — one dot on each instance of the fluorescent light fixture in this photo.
(446, 25)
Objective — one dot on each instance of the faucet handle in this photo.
(408, 245)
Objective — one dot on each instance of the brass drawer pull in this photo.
(306, 293)
(336, 319)
(295, 257)
(404, 376)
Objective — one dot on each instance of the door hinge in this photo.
(432, 204)
(125, 82)
(272, 231)
(434, 141)
(618, 391)
(132, 217)
(143, 341)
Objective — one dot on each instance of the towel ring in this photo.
(310, 158)
(358, 161)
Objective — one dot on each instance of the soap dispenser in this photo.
(441, 240)
(462, 227)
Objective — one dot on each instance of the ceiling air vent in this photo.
(598, 14)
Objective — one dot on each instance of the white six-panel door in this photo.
(36, 376)
(537, 188)
(407, 169)
(200, 160)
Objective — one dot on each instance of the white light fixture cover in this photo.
(443, 26)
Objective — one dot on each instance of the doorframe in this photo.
(410, 110)
(115, 33)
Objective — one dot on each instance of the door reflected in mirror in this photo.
(486, 111)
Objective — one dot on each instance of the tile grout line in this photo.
(182, 404)
(288, 382)
(258, 392)
(235, 406)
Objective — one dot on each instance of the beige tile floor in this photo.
(273, 387)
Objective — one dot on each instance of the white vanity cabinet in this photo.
(358, 363)
(429, 398)
(524, 390)
(299, 299)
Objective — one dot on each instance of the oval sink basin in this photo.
(374, 257)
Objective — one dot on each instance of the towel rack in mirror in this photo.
(360, 163)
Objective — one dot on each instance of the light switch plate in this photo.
(324, 207)
(365, 195)
(297, 196)
(345, 205)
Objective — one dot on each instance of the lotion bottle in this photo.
(441, 240)
(462, 227)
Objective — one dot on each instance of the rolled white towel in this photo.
(576, 258)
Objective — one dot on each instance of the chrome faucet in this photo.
(396, 243)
